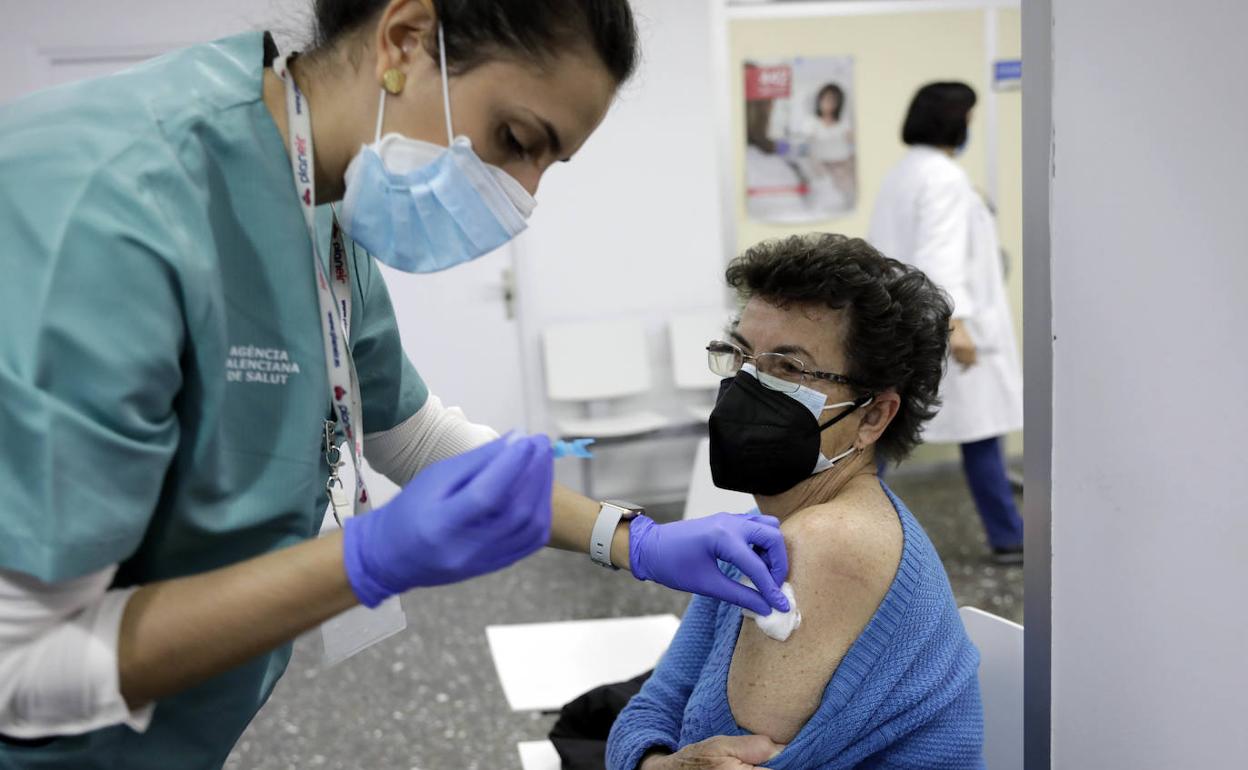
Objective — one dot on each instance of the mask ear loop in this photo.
(446, 86)
(381, 114)
(834, 460)
(852, 407)
(446, 94)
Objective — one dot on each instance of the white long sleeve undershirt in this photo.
(58, 641)
(58, 656)
(434, 433)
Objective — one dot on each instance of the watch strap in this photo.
(600, 538)
(604, 532)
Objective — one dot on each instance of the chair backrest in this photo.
(1000, 644)
(704, 497)
(594, 360)
(688, 334)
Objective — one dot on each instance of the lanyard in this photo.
(333, 292)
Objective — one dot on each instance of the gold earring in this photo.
(393, 80)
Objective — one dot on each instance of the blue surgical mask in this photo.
(420, 207)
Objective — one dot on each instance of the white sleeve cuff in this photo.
(108, 705)
(434, 433)
(58, 657)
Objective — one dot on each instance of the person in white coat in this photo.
(929, 215)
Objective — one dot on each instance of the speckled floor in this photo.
(429, 698)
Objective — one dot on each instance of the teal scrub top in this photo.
(161, 363)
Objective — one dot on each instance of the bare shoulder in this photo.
(843, 556)
(856, 538)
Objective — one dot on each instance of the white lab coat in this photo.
(929, 215)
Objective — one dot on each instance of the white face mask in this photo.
(813, 400)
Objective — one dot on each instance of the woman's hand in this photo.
(961, 345)
(723, 752)
(685, 555)
(459, 518)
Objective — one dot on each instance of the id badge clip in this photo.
(359, 627)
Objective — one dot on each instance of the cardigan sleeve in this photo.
(952, 738)
(652, 719)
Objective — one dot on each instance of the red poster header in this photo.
(768, 82)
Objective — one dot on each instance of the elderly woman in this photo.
(836, 360)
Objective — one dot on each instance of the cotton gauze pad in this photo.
(778, 625)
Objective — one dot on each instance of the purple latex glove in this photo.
(685, 555)
(459, 518)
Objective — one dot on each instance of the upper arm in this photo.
(841, 566)
(653, 717)
(434, 433)
(30, 607)
(390, 386)
(90, 366)
(58, 656)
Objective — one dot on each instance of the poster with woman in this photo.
(800, 157)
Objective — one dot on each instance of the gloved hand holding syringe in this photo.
(491, 506)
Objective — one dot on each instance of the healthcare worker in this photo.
(187, 339)
(929, 215)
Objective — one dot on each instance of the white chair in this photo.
(542, 666)
(1000, 644)
(704, 497)
(594, 362)
(688, 334)
(591, 363)
(538, 755)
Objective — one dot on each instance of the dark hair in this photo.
(898, 320)
(478, 30)
(938, 114)
(835, 90)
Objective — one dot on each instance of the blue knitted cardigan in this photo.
(906, 694)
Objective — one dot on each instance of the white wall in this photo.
(99, 33)
(1150, 372)
(631, 228)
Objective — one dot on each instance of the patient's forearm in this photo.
(573, 524)
(735, 752)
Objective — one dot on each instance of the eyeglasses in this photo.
(789, 373)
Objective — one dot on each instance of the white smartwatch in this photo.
(609, 516)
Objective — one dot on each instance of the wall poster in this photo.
(801, 161)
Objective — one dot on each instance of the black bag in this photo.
(580, 735)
